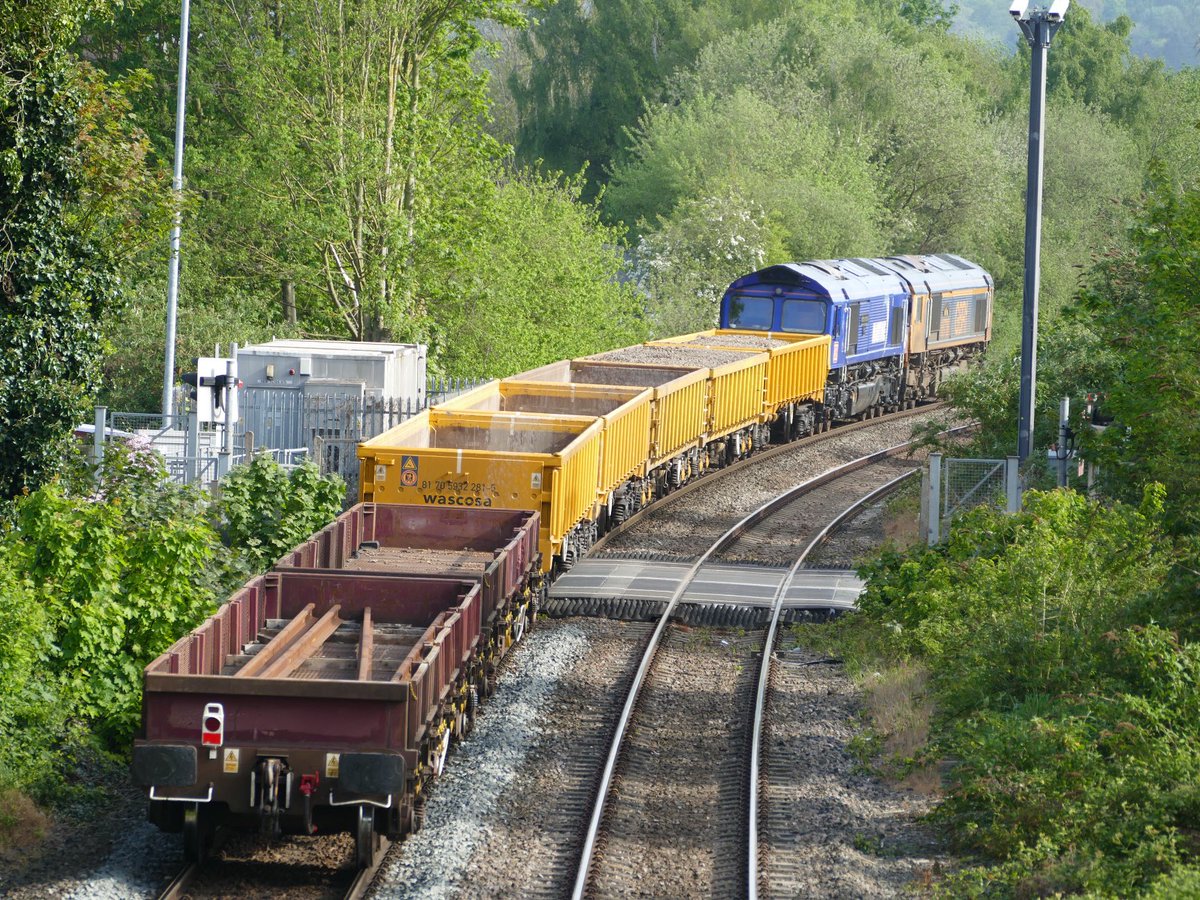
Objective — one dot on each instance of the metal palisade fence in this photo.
(291, 424)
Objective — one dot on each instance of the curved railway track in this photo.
(724, 747)
(699, 791)
(762, 456)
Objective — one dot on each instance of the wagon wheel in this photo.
(472, 704)
(366, 841)
(195, 836)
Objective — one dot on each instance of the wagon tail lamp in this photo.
(212, 725)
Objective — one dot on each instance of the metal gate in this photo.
(953, 486)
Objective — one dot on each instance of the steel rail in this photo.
(761, 456)
(764, 671)
(179, 883)
(184, 877)
(358, 889)
(722, 543)
(366, 877)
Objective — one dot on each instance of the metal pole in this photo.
(1064, 419)
(98, 436)
(1038, 30)
(1012, 484)
(168, 398)
(934, 534)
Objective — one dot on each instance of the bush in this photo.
(1072, 720)
(264, 510)
(120, 573)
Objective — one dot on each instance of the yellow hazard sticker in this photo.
(408, 463)
(332, 762)
(229, 762)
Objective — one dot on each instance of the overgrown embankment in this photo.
(97, 577)
(1057, 651)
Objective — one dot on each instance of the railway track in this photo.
(317, 868)
(688, 795)
(603, 544)
(575, 789)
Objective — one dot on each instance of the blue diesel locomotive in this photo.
(899, 325)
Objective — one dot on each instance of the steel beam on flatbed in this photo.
(277, 644)
(306, 645)
(366, 646)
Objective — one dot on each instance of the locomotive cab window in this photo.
(981, 311)
(896, 326)
(751, 312)
(803, 316)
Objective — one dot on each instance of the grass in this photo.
(897, 708)
(23, 825)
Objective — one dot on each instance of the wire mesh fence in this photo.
(968, 483)
(954, 486)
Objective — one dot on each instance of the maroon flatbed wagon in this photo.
(324, 695)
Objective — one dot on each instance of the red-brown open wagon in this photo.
(324, 695)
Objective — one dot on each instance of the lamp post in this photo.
(168, 396)
(1038, 25)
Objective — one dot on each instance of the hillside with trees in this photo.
(1158, 29)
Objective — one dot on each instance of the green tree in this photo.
(335, 138)
(1141, 305)
(77, 196)
(264, 510)
(537, 281)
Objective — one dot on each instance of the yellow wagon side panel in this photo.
(680, 413)
(479, 459)
(737, 395)
(574, 485)
(626, 442)
(798, 372)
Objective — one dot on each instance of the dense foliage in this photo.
(1061, 644)
(75, 198)
(1064, 685)
(99, 577)
(264, 510)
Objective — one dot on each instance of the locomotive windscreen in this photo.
(751, 312)
(803, 316)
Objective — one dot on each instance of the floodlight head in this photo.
(1057, 10)
(1019, 9)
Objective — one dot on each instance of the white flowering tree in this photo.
(683, 266)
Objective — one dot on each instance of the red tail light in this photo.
(212, 725)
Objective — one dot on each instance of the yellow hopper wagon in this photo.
(504, 460)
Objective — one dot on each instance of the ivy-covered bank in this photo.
(97, 577)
